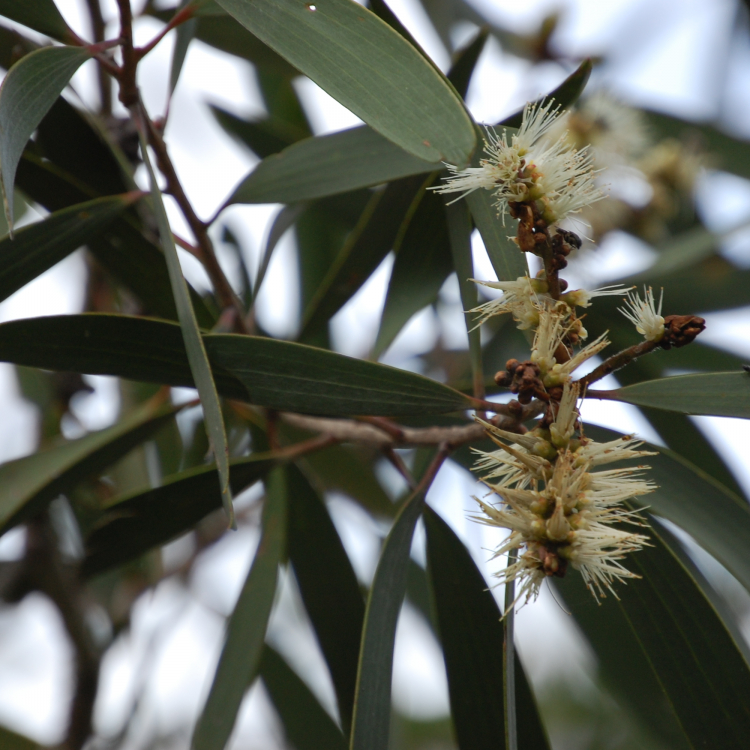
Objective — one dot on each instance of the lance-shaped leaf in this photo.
(132, 525)
(370, 241)
(196, 351)
(40, 15)
(26, 95)
(37, 247)
(718, 394)
(306, 723)
(423, 262)
(31, 482)
(328, 586)
(278, 374)
(369, 68)
(327, 165)
(472, 638)
(716, 518)
(372, 702)
(246, 629)
(459, 233)
(665, 647)
(10, 740)
(507, 260)
(122, 249)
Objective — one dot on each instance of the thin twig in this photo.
(98, 29)
(617, 361)
(398, 463)
(224, 292)
(354, 431)
(179, 18)
(48, 573)
(509, 661)
(127, 73)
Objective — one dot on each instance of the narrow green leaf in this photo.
(278, 374)
(200, 367)
(294, 377)
(122, 249)
(372, 703)
(185, 34)
(262, 136)
(40, 15)
(328, 165)
(136, 523)
(328, 586)
(716, 518)
(369, 243)
(666, 648)
(10, 740)
(26, 95)
(322, 233)
(423, 262)
(472, 637)
(719, 394)
(717, 600)
(284, 220)
(77, 142)
(507, 260)
(246, 629)
(369, 68)
(31, 482)
(306, 724)
(459, 229)
(37, 247)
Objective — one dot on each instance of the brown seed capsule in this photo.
(680, 330)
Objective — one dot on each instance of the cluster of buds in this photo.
(560, 512)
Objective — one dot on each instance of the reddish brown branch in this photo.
(617, 361)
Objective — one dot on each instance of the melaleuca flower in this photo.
(524, 297)
(583, 297)
(615, 133)
(528, 169)
(521, 298)
(644, 314)
(549, 336)
(560, 513)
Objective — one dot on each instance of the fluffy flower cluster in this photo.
(524, 298)
(644, 314)
(530, 168)
(559, 511)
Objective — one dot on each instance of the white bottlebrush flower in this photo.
(583, 297)
(615, 133)
(527, 168)
(522, 298)
(644, 314)
(596, 454)
(549, 336)
(562, 429)
(561, 372)
(561, 515)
